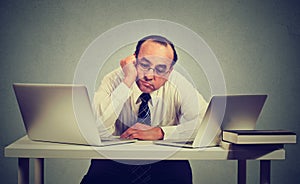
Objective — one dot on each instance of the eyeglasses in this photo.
(160, 70)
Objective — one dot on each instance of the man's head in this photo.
(155, 57)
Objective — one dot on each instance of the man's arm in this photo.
(191, 111)
(109, 100)
(113, 93)
(191, 117)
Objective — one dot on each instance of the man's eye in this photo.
(144, 65)
(160, 69)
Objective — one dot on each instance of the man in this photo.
(146, 100)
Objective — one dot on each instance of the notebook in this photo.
(60, 113)
(259, 136)
(229, 112)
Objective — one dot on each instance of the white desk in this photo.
(25, 149)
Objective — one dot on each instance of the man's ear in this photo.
(171, 68)
(169, 72)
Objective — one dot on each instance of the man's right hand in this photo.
(129, 69)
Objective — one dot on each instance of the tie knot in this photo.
(145, 97)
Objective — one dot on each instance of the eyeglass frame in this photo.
(154, 69)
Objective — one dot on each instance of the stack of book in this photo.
(259, 136)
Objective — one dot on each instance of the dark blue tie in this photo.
(142, 173)
(144, 111)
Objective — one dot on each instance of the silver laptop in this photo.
(59, 113)
(231, 112)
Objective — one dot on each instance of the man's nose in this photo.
(150, 74)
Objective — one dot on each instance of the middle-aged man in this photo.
(146, 99)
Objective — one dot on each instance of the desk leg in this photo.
(23, 170)
(265, 172)
(39, 171)
(242, 171)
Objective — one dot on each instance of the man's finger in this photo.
(127, 133)
(128, 60)
(135, 135)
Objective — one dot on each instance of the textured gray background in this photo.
(256, 42)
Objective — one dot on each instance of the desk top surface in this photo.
(140, 150)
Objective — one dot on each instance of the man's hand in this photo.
(129, 69)
(143, 133)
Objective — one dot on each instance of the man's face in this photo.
(153, 65)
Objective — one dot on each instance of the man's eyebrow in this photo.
(148, 61)
(145, 59)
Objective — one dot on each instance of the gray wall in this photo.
(256, 42)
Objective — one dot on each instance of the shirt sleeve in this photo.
(191, 112)
(169, 131)
(189, 121)
(108, 102)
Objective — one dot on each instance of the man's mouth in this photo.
(147, 84)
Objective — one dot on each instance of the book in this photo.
(232, 146)
(259, 136)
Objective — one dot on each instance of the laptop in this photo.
(230, 112)
(60, 113)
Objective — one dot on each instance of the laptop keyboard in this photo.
(184, 142)
(110, 139)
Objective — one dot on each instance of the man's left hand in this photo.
(151, 133)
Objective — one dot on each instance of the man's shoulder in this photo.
(179, 79)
